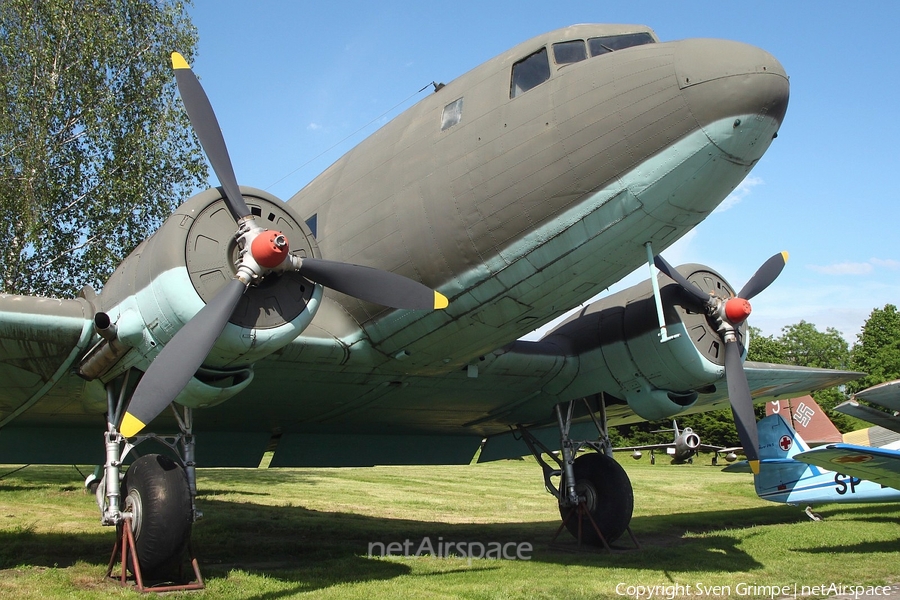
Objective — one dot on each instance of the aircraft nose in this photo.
(737, 93)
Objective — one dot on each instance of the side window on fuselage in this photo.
(452, 114)
(529, 72)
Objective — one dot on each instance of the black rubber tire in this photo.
(156, 490)
(610, 498)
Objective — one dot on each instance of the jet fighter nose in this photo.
(737, 93)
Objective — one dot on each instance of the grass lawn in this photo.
(283, 533)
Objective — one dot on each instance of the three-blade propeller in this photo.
(729, 314)
(262, 253)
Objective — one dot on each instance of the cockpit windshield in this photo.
(610, 43)
(534, 69)
(565, 53)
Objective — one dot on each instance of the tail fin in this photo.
(807, 418)
(778, 474)
(777, 440)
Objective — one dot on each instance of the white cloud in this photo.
(740, 192)
(314, 127)
(886, 263)
(844, 268)
(856, 268)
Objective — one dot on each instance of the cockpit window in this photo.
(529, 72)
(610, 43)
(565, 53)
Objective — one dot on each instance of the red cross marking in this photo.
(785, 442)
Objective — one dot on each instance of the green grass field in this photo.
(284, 533)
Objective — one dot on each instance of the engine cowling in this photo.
(174, 273)
(617, 341)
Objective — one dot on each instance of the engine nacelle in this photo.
(174, 273)
(617, 341)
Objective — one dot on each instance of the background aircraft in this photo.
(807, 418)
(886, 395)
(517, 191)
(792, 473)
(682, 448)
(880, 464)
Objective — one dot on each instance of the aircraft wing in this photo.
(700, 448)
(869, 414)
(884, 394)
(721, 450)
(775, 381)
(874, 464)
(647, 447)
(39, 340)
(767, 381)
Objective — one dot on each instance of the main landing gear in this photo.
(152, 506)
(594, 493)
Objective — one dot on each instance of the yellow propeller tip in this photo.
(178, 61)
(131, 425)
(784, 255)
(440, 301)
(754, 466)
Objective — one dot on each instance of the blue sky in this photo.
(296, 84)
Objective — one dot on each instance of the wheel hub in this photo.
(133, 505)
(585, 490)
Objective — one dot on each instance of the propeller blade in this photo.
(764, 276)
(372, 285)
(680, 279)
(203, 120)
(742, 404)
(170, 372)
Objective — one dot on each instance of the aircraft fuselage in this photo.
(528, 205)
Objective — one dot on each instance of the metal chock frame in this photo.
(126, 548)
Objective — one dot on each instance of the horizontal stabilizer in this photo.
(743, 466)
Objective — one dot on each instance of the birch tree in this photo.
(95, 150)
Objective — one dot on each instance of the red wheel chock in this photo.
(125, 548)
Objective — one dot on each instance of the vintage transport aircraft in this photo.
(517, 191)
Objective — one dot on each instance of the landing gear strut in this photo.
(594, 493)
(152, 507)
